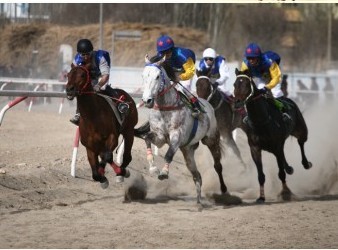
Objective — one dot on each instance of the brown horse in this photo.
(227, 118)
(268, 131)
(101, 124)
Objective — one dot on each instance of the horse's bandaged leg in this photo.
(116, 168)
(150, 157)
(164, 174)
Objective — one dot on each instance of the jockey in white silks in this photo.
(215, 68)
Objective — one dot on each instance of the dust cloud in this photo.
(321, 149)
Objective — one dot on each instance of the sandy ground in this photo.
(43, 206)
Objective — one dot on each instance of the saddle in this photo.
(120, 116)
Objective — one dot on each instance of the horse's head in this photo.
(204, 88)
(244, 87)
(78, 81)
(154, 80)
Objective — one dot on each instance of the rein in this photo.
(164, 91)
(88, 80)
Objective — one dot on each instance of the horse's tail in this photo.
(142, 131)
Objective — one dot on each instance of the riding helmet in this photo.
(209, 52)
(84, 46)
(164, 43)
(253, 50)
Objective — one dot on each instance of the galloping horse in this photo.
(227, 119)
(269, 131)
(100, 124)
(171, 123)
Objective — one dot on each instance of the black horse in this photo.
(268, 131)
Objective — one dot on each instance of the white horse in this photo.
(171, 123)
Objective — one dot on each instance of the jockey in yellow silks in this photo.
(182, 61)
(265, 68)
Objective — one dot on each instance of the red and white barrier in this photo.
(75, 149)
(9, 105)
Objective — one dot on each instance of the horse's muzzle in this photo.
(71, 93)
(149, 103)
(238, 104)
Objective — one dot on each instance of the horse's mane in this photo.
(166, 65)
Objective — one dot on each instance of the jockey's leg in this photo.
(121, 105)
(76, 119)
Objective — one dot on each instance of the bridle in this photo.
(250, 96)
(212, 93)
(162, 91)
(88, 81)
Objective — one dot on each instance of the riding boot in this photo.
(76, 119)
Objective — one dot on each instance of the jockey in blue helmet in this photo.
(182, 61)
(263, 67)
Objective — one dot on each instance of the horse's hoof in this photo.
(119, 179)
(127, 173)
(105, 184)
(154, 170)
(308, 165)
(164, 174)
(289, 170)
(260, 200)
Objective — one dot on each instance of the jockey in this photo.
(267, 71)
(99, 73)
(182, 61)
(215, 67)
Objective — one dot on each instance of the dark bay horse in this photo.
(227, 118)
(269, 131)
(99, 125)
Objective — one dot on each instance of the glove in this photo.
(264, 90)
(97, 88)
(178, 69)
(215, 85)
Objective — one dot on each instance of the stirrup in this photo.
(246, 120)
(286, 117)
(75, 120)
(195, 113)
(123, 107)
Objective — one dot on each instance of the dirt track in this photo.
(42, 206)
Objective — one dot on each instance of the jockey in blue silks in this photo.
(215, 68)
(264, 67)
(182, 61)
(99, 72)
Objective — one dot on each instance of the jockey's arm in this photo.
(275, 74)
(244, 67)
(189, 70)
(224, 73)
(105, 70)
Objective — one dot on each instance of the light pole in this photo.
(101, 28)
(329, 35)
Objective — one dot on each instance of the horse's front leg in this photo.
(159, 141)
(97, 169)
(256, 154)
(173, 147)
(188, 153)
